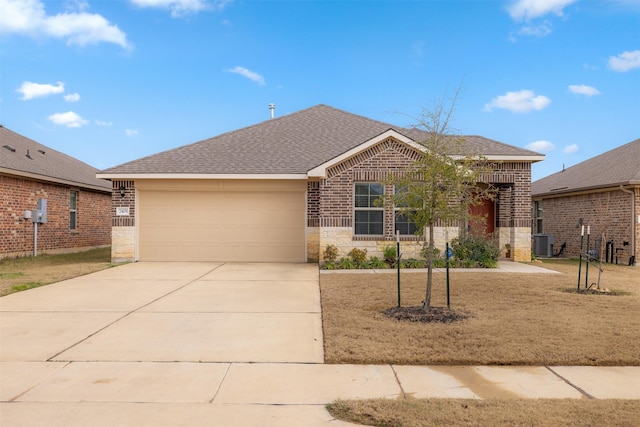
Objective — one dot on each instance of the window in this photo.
(73, 209)
(369, 214)
(539, 217)
(402, 222)
(404, 225)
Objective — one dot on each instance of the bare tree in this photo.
(441, 186)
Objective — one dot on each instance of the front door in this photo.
(483, 217)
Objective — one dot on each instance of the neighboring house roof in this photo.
(620, 166)
(289, 145)
(24, 157)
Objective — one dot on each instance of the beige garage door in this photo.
(222, 220)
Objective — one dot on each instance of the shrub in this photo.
(415, 263)
(473, 250)
(440, 263)
(359, 257)
(330, 253)
(329, 265)
(376, 262)
(390, 257)
(424, 252)
(346, 264)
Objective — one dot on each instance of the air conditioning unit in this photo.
(543, 245)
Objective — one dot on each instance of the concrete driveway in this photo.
(152, 344)
(201, 344)
(169, 312)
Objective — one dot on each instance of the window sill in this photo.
(404, 238)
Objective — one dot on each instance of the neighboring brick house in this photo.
(78, 205)
(603, 194)
(284, 189)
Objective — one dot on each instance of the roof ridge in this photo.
(290, 144)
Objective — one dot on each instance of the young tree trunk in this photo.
(426, 306)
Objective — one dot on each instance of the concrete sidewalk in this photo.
(267, 394)
(165, 344)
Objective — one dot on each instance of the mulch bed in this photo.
(417, 314)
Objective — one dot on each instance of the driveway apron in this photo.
(160, 312)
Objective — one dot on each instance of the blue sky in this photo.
(114, 80)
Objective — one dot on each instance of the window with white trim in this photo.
(368, 209)
(402, 223)
(73, 209)
(538, 217)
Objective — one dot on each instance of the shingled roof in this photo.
(291, 144)
(24, 157)
(620, 166)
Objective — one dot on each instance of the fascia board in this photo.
(565, 192)
(320, 171)
(45, 178)
(133, 176)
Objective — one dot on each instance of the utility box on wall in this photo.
(40, 215)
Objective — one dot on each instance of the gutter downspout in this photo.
(633, 219)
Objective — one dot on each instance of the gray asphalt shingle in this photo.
(31, 157)
(613, 168)
(291, 144)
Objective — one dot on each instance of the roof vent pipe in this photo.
(272, 107)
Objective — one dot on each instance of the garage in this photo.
(221, 220)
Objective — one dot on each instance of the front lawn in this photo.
(19, 274)
(514, 319)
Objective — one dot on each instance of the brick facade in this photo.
(93, 227)
(330, 207)
(333, 205)
(607, 212)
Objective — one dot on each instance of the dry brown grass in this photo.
(463, 412)
(17, 274)
(516, 319)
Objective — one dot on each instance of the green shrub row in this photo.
(469, 251)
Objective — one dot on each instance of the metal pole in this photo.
(398, 262)
(35, 239)
(580, 258)
(447, 263)
(586, 270)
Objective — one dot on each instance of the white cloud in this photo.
(584, 90)
(103, 123)
(29, 17)
(77, 5)
(541, 146)
(570, 149)
(72, 97)
(183, 7)
(519, 102)
(625, 61)
(541, 30)
(251, 75)
(30, 90)
(131, 132)
(529, 9)
(68, 119)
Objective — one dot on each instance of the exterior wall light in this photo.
(122, 189)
